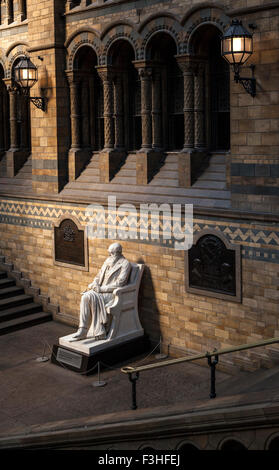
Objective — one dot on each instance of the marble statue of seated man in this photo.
(114, 273)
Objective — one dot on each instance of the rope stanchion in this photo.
(161, 355)
(99, 383)
(43, 358)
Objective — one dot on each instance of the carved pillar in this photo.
(85, 112)
(73, 80)
(199, 106)
(118, 111)
(13, 117)
(22, 10)
(9, 11)
(187, 68)
(156, 110)
(92, 111)
(2, 122)
(106, 77)
(145, 74)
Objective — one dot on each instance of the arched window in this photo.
(90, 97)
(127, 96)
(205, 44)
(168, 84)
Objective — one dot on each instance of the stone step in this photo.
(24, 322)
(213, 176)
(148, 197)
(143, 190)
(19, 311)
(210, 184)
(6, 282)
(12, 291)
(213, 167)
(11, 302)
(161, 181)
(3, 275)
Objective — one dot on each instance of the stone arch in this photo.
(122, 30)
(12, 54)
(271, 440)
(158, 24)
(82, 38)
(113, 42)
(210, 15)
(232, 440)
(190, 445)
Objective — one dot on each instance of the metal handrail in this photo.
(208, 355)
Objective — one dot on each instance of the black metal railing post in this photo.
(133, 380)
(212, 364)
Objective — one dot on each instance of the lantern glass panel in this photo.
(238, 44)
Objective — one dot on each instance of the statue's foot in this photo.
(80, 334)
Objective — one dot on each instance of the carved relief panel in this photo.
(70, 244)
(212, 267)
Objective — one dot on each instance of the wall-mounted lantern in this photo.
(26, 75)
(236, 48)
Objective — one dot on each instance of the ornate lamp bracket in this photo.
(248, 83)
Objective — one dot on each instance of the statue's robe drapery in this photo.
(93, 304)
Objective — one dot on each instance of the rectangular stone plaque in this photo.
(69, 357)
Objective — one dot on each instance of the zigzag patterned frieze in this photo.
(43, 215)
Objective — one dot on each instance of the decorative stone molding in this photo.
(83, 38)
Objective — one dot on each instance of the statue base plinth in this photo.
(78, 361)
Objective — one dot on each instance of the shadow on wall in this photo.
(148, 308)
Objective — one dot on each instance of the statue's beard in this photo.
(113, 259)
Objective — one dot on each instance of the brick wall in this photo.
(189, 322)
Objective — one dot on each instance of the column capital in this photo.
(10, 85)
(144, 68)
(73, 76)
(105, 72)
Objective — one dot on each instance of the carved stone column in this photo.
(187, 67)
(16, 156)
(148, 157)
(9, 11)
(105, 74)
(13, 117)
(156, 111)
(118, 111)
(78, 157)
(199, 106)
(2, 123)
(73, 80)
(22, 11)
(145, 74)
(85, 113)
(111, 159)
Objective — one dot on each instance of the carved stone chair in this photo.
(123, 323)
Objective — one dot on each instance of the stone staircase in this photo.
(21, 306)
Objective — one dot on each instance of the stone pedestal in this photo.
(78, 158)
(190, 164)
(83, 358)
(15, 160)
(110, 162)
(148, 162)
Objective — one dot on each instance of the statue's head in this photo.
(115, 249)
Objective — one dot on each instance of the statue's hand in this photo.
(96, 288)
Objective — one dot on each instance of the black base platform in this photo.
(79, 362)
